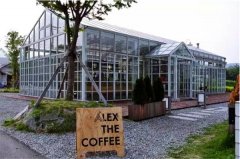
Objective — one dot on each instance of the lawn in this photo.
(214, 143)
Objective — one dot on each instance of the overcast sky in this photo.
(212, 23)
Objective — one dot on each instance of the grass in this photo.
(17, 124)
(61, 109)
(214, 143)
(9, 90)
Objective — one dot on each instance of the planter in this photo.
(146, 111)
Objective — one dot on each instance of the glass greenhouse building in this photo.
(115, 57)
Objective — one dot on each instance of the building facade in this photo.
(115, 57)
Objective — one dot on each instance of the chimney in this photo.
(198, 45)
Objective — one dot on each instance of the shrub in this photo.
(139, 92)
(148, 88)
(230, 83)
(158, 90)
(229, 88)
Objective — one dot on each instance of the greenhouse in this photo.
(115, 57)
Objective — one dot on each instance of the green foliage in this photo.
(214, 143)
(17, 124)
(8, 122)
(230, 83)
(229, 88)
(9, 90)
(232, 72)
(13, 42)
(148, 88)
(59, 108)
(139, 92)
(22, 127)
(158, 90)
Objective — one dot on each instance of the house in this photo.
(116, 57)
(5, 72)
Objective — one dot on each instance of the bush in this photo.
(149, 89)
(139, 92)
(158, 90)
(10, 90)
(230, 83)
(229, 88)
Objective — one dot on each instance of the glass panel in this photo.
(107, 41)
(37, 32)
(132, 46)
(47, 47)
(54, 45)
(61, 43)
(41, 49)
(42, 21)
(93, 39)
(54, 24)
(120, 44)
(48, 18)
(143, 47)
(61, 26)
(48, 31)
(153, 45)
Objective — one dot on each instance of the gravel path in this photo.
(146, 139)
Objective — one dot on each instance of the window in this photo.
(120, 44)
(61, 43)
(153, 45)
(132, 46)
(93, 39)
(37, 32)
(143, 47)
(107, 41)
(54, 24)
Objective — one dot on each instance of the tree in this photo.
(13, 42)
(158, 90)
(139, 92)
(148, 87)
(232, 72)
(73, 12)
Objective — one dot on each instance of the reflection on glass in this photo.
(61, 43)
(37, 32)
(48, 18)
(42, 21)
(120, 44)
(132, 46)
(54, 24)
(41, 49)
(107, 41)
(143, 46)
(47, 47)
(93, 39)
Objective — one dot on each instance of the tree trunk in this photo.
(70, 82)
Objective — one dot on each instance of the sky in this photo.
(212, 23)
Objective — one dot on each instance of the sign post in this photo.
(237, 129)
(99, 129)
(202, 99)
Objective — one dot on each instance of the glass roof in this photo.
(108, 27)
(164, 49)
(179, 49)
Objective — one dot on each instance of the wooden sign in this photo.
(99, 129)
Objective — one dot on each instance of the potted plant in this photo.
(147, 100)
(158, 91)
(137, 111)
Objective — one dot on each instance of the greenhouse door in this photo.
(183, 78)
